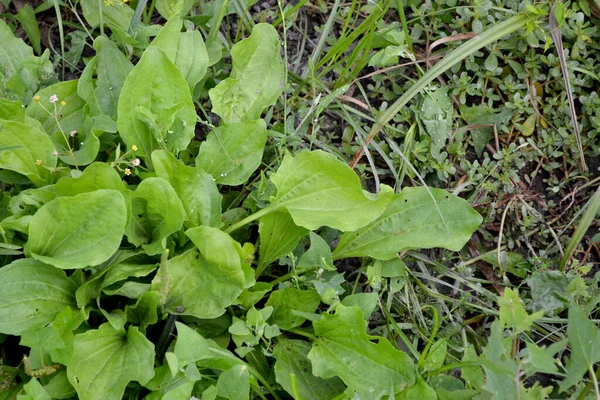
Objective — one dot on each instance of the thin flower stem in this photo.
(64, 135)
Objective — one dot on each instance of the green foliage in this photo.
(168, 230)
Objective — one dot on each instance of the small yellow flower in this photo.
(36, 97)
(38, 162)
(127, 171)
(134, 147)
(63, 103)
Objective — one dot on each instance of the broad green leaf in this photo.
(234, 383)
(35, 390)
(59, 386)
(150, 116)
(436, 356)
(367, 302)
(420, 390)
(55, 338)
(318, 255)
(185, 49)
(256, 79)
(94, 283)
(74, 129)
(22, 72)
(168, 8)
(156, 212)
(278, 236)
(12, 110)
(513, 314)
(116, 15)
(231, 153)
(416, 218)
(291, 358)
(106, 360)
(217, 247)
(191, 285)
(449, 388)
(317, 189)
(13, 51)
(111, 68)
(70, 116)
(343, 348)
(584, 339)
(549, 291)
(195, 188)
(96, 176)
(144, 312)
(77, 232)
(288, 300)
(27, 151)
(191, 347)
(31, 295)
(26, 17)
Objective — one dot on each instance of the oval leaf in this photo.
(111, 67)
(185, 49)
(191, 285)
(256, 79)
(156, 212)
(26, 150)
(31, 295)
(80, 231)
(278, 237)
(317, 189)
(417, 217)
(196, 189)
(231, 153)
(151, 117)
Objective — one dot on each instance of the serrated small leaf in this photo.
(513, 314)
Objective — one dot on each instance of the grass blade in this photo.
(592, 208)
(557, 38)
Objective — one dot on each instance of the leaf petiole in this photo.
(251, 217)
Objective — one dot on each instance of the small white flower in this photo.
(73, 133)
(53, 99)
(135, 162)
(55, 153)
